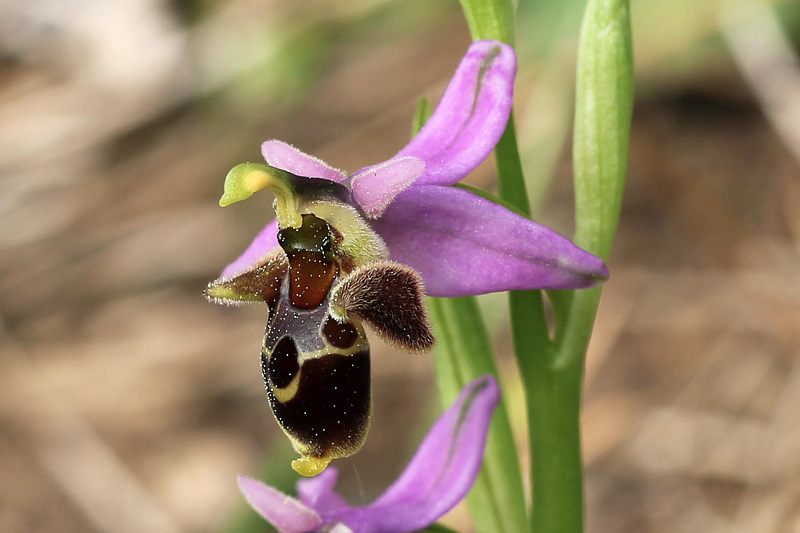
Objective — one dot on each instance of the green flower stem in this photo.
(497, 500)
(554, 413)
(604, 101)
(490, 19)
(552, 372)
(552, 397)
(438, 528)
(422, 112)
(510, 178)
(552, 393)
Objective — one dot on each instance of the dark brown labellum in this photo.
(317, 369)
(329, 413)
(315, 354)
(283, 364)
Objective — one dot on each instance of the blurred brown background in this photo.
(129, 404)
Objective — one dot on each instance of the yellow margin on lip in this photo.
(287, 393)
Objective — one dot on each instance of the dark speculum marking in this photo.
(330, 411)
(342, 335)
(312, 267)
(283, 363)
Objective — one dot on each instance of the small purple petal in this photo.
(318, 492)
(286, 157)
(441, 472)
(262, 245)
(463, 244)
(470, 117)
(375, 187)
(284, 512)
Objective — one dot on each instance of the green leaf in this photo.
(489, 196)
(462, 353)
(604, 102)
(438, 528)
(422, 112)
(526, 309)
(603, 108)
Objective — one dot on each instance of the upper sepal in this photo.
(461, 133)
(470, 117)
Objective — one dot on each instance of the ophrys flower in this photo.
(348, 250)
(438, 477)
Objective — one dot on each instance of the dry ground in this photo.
(129, 404)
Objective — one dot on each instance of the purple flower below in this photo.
(461, 244)
(438, 477)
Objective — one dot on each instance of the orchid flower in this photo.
(345, 251)
(438, 477)
(461, 244)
